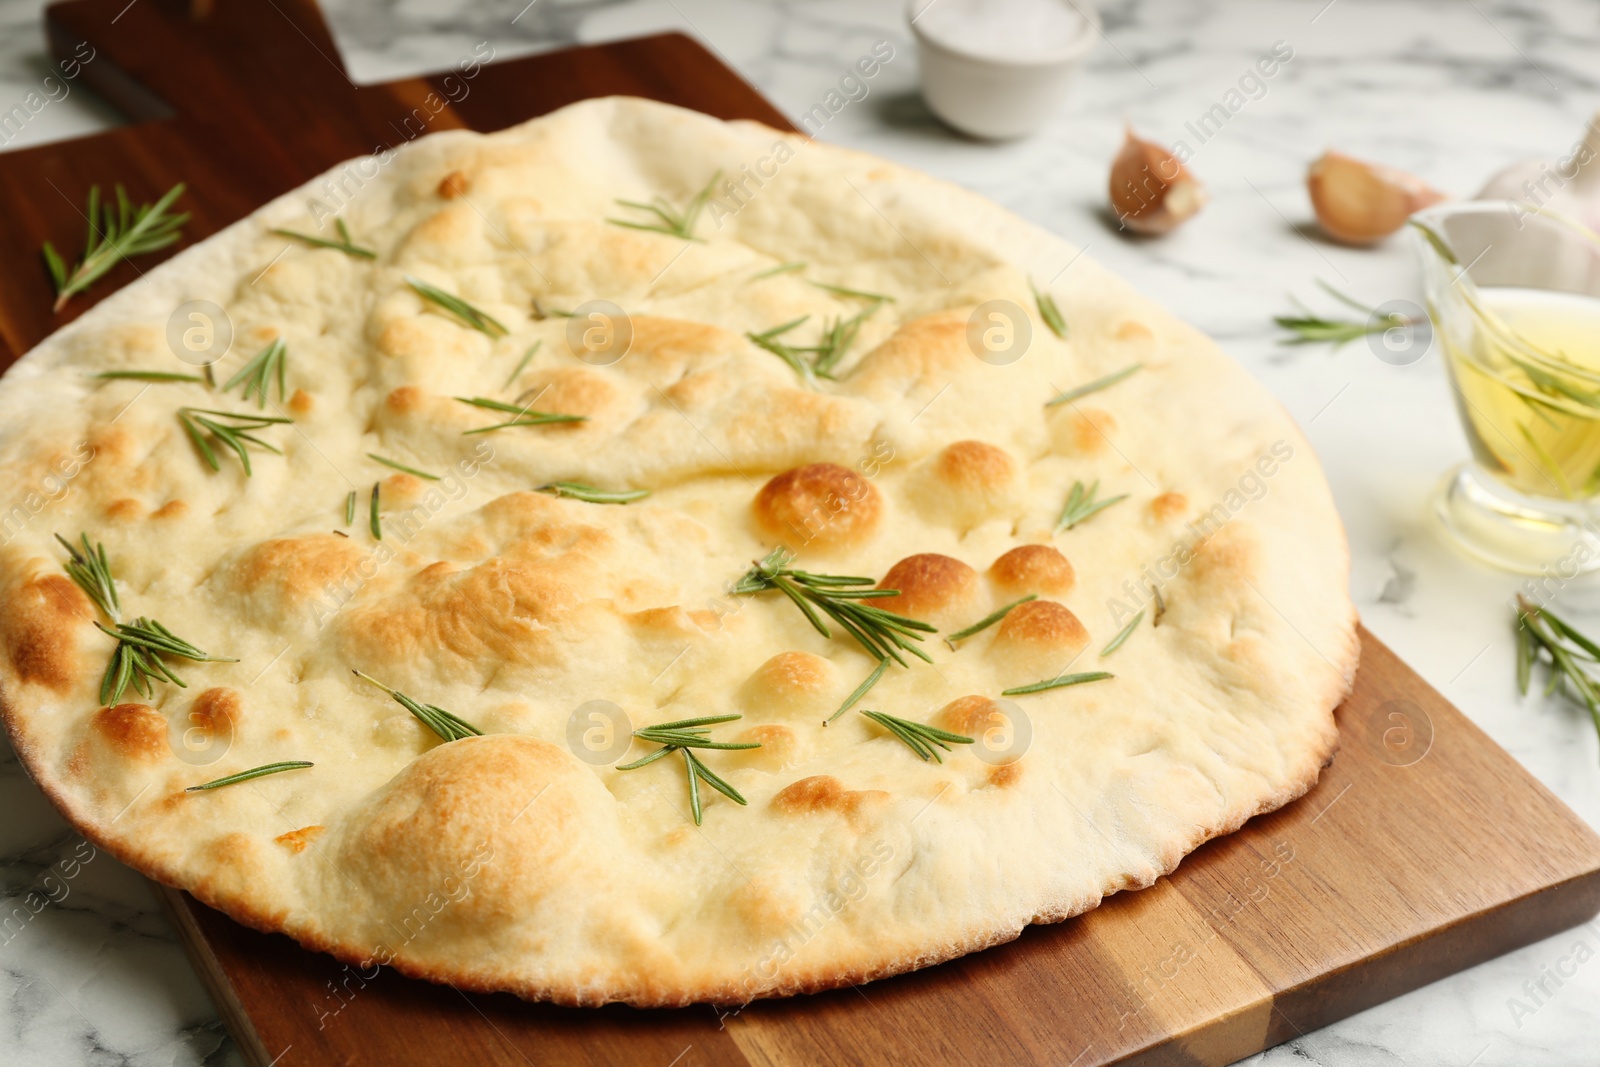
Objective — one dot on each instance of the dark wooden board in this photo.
(1424, 849)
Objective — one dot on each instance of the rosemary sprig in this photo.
(781, 268)
(114, 234)
(527, 357)
(683, 736)
(1081, 504)
(374, 523)
(228, 428)
(350, 508)
(919, 737)
(1123, 634)
(839, 290)
(393, 464)
(138, 658)
(524, 416)
(1540, 633)
(254, 772)
(860, 690)
(146, 376)
(257, 374)
(1309, 328)
(1079, 391)
(672, 222)
(1049, 311)
(590, 494)
(1056, 683)
(836, 340)
(476, 318)
(449, 727)
(986, 622)
(882, 633)
(790, 354)
(343, 244)
(91, 571)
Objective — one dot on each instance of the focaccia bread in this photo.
(902, 433)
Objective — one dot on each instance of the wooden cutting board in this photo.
(1424, 849)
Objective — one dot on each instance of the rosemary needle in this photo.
(527, 357)
(402, 467)
(146, 376)
(1049, 311)
(524, 416)
(1056, 683)
(1540, 632)
(1081, 504)
(257, 374)
(592, 495)
(449, 727)
(919, 737)
(860, 691)
(781, 268)
(92, 572)
(1310, 328)
(138, 658)
(839, 290)
(683, 736)
(986, 622)
(343, 244)
(474, 317)
(350, 508)
(670, 220)
(374, 523)
(1095, 386)
(204, 425)
(1122, 635)
(254, 772)
(115, 234)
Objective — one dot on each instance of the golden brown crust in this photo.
(931, 587)
(819, 506)
(1038, 569)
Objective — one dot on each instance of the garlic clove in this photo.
(1569, 183)
(1359, 202)
(1151, 190)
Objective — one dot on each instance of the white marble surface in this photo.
(1449, 90)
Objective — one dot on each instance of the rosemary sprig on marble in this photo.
(254, 772)
(91, 570)
(138, 658)
(257, 374)
(146, 376)
(524, 415)
(1056, 683)
(449, 727)
(396, 465)
(921, 738)
(670, 220)
(115, 234)
(343, 244)
(860, 690)
(882, 633)
(1082, 504)
(1309, 328)
(1049, 311)
(684, 736)
(1077, 392)
(1568, 656)
(986, 622)
(231, 429)
(469, 315)
(1122, 635)
(590, 494)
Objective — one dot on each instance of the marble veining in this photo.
(1451, 90)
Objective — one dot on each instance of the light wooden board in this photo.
(1424, 849)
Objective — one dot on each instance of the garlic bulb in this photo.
(1151, 191)
(1569, 184)
(1360, 203)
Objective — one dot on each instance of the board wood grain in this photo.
(1424, 848)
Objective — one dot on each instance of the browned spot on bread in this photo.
(405, 400)
(789, 684)
(300, 402)
(1086, 430)
(114, 444)
(41, 624)
(1037, 639)
(124, 509)
(1038, 569)
(172, 509)
(664, 347)
(930, 585)
(781, 747)
(297, 840)
(292, 570)
(1131, 330)
(570, 391)
(825, 794)
(967, 482)
(452, 185)
(216, 710)
(969, 715)
(134, 731)
(401, 490)
(820, 505)
(1006, 774)
(975, 466)
(1169, 506)
(932, 348)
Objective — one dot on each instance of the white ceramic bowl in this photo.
(985, 95)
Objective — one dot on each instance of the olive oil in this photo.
(1528, 386)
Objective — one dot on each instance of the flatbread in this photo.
(526, 859)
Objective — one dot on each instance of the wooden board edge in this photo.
(178, 907)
